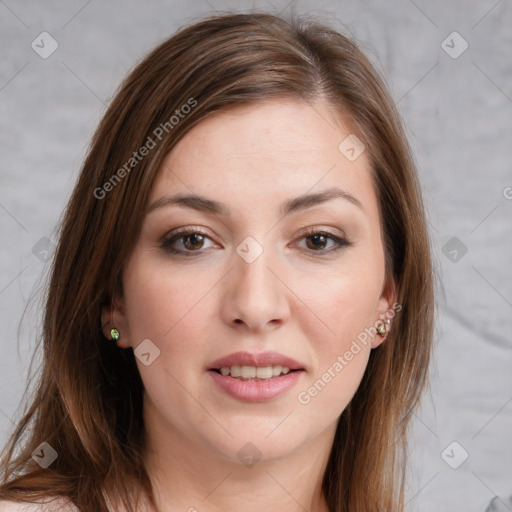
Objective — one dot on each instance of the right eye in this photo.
(191, 239)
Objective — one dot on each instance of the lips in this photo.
(262, 359)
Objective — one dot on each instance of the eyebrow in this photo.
(206, 205)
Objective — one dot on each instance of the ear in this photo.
(385, 311)
(113, 316)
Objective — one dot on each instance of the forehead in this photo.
(268, 151)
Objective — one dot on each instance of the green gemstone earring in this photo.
(381, 329)
(114, 333)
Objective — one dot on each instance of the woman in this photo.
(240, 310)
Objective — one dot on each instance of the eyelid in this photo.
(331, 231)
(185, 230)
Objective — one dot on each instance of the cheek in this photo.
(336, 307)
(340, 357)
(336, 314)
(169, 308)
(163, 305)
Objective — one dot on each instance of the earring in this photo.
(381, 329)
(114, 333)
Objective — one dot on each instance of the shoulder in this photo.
(49, 505)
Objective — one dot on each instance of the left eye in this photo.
(320, 238)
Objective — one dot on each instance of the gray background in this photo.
(458, 116)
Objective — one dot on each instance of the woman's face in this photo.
(260, 276)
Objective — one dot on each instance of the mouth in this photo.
(247, 365)
(255, 377)
(255, 373)
(255, 383)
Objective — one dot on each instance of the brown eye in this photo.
(196, 241)
(185, 242)
(318, 241)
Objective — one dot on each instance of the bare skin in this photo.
(299, 297)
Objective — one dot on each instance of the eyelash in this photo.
(184, 232)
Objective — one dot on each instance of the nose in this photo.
(256, 298)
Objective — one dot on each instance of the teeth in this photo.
(248, 372)
(235, 371)
(264, 372)
(252, 372)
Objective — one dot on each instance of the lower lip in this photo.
(256, 391)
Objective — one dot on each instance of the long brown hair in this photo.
(88, 401)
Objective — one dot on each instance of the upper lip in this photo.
(262, 359)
